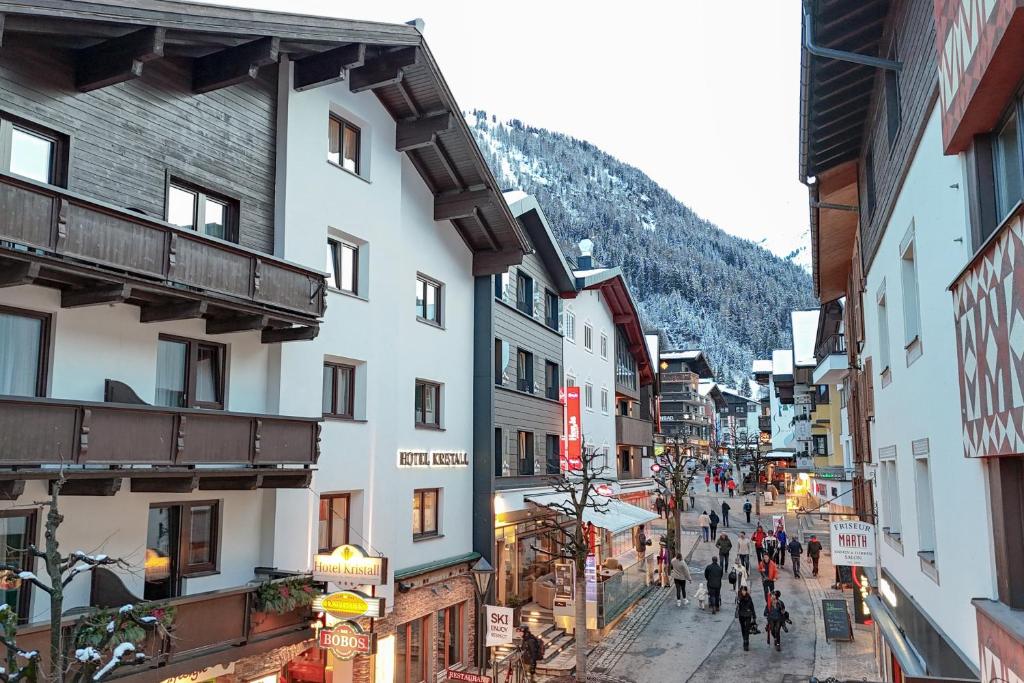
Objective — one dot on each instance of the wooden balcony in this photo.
(632, 431)
(764, 423)
(97, 253)
(217, 627)
(159, 449)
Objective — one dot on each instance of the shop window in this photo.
(425, 513)
(189, 373)
(17, 532)
(451, 630)
(410, 651)
(23, 343)
(181, 541)
(334, 521)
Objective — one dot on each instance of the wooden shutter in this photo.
(869, 390)
(853, 414)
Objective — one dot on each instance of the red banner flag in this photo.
(570, 456)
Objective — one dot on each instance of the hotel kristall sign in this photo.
(440, 459)
(350, 565)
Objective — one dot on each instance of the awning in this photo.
(894, 638)
(616, 516)
(780, 455)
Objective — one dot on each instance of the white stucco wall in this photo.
(922, 401)
(586, 366)
(392, 210)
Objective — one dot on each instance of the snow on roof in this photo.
(513, 196)
(805, 331)
(734, 392)
(705, 386)
(782, 362)
(681, 355)
(588, 273)
(762, 366)
(652, 345)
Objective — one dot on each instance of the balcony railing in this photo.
(204, 624)
(632, 431)
(45, 431)
(833, 344)
(96, 244)
(764, 423)
(668, 377)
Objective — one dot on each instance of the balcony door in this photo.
(162, 562)
(17, 532)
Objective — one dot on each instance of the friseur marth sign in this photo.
(433, 459)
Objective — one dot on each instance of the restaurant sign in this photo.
(414, 458)
(349, 604)
(349, 564)
(346, 639)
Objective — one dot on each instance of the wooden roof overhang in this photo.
(612, 284)
(835, 95)
(227, 45)
(833, 201)
(543, 242)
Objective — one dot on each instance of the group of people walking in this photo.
(722, 479)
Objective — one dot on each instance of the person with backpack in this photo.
(747, 507)
(769, 573)
(725, 514)
(796, 549)
(757, 538)
(713, 520)
(704, 522)
(745, 613)
(680, 575)
(713, 576)
(533, 650)
(724, 548)
(814, 552)
(775, 612)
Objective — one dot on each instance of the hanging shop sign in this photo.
(346, 639)
(500, 626)
(570, 459)
(853, 544)
(413, 458)
(349, 604)
(349, 564)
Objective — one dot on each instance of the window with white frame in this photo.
(911, 298)
(890, 491)
(588, 396)
(604, 346)
(925, 501)
(883, 332)
(588, 337)
(604, 400)
(570, 326)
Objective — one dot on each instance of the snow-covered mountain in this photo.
(701, 286)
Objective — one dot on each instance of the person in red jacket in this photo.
(707, 482)
(757, 539)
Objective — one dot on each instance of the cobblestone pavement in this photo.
(659, 641)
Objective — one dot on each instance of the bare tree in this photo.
(747, 445)
(111, 644)
(579, 486)
(676, 471)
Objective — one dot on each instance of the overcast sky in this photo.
(702, 95)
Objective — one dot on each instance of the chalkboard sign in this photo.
(844, 575)
(837, 620)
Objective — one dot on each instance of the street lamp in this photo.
(482, 572)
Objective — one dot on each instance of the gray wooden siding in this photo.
(126, 138)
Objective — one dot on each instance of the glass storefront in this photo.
(525, 552)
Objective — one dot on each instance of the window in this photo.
(604, 400)
(1007, 161)
(911, 306)
(502, 282)
(524, 371)
(502, 361)
(339, 390)
(23, 346)
(451, 629)
(588, 396)
(570, 381)
(524, 293)
(604, 346)
(344, 141)
(17, 532)
(410, 651)
(334, 519)
(883, 333)
(551, 307)
(424, 512)
(194, 208)
(570, 326)
(181, 540)
(890, 495)
(33, 152)
(428, 300)
(892, 96)
(553, 447)
(925, 506)
(552, 380)
(428, 404)
(820, 444)
(625, 363)
(343, 266)
(588, 337)
(526, 454)
(821, 397)
(189, 373)
(499, 453)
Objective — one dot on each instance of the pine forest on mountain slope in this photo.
(702, 287)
